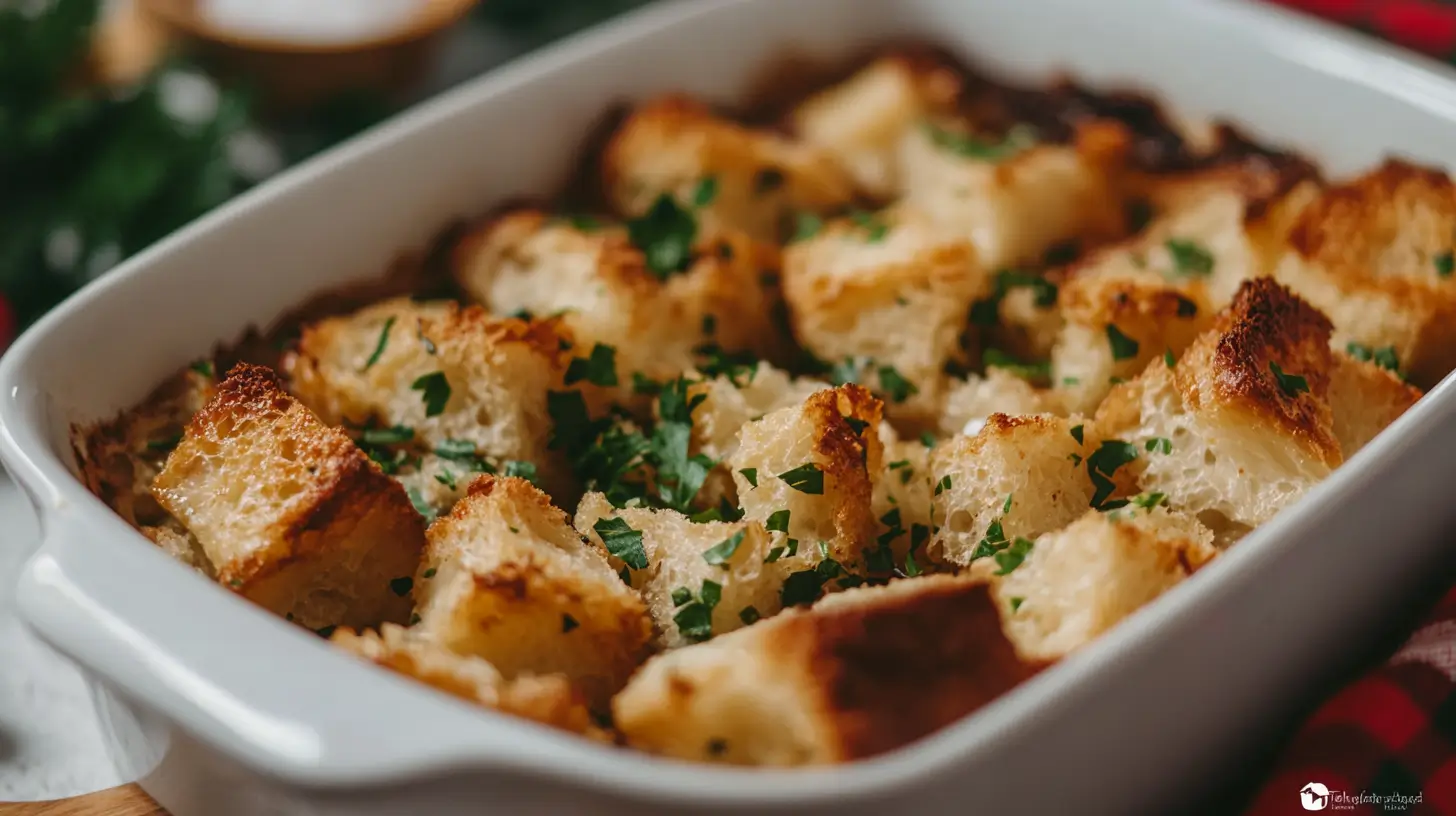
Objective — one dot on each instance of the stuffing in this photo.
(1013, 197)
(816, 461)
(1241, 426)
(861, 121)
(546, 699)
(1375, 255)
(437, 377)
(732, 401)
(1019, 477)
(860, 673)
(505, 578)
(969, 402)
(700, 579)
(902, 502)
(1365, 396)
(652, 310)
(119, 459)
(742, 179)
(885, 296)
(1072, 585)
(288, 512)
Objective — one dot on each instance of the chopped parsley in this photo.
(806, 226)
(912, 569)
(421, 506)
(401, 586)
(521, 470)
(379, 345)
(1103, 463)
(1025, 369)
(460, 450)
(1148, 501)
(1383, 357)
(740, 367)
(1159, 444)
(325, 632)
(665, 235)
(1290, 384)
(773, 555)
(1123, 347)
(806, 478)
(1011, 557)
(600, 368)
(706, 191)
(847, 370)
(806, 585)
(1078, 433)
(203, 367)
(1168, 358)
(749, 615)
(1189, 258)
(751, 474)
(968, 146)
(723, 512)
(856, 424)
(434, 390)
(429, 573)
(1186, 308)
(622, 541)
(393, 435)
(1445, 264)
(927, 439)
(679, 475)
(874, 229)
(680, 596)
(894, 385)
(778, 521)
(643, 384)
(992, 542)
(987, 312)
(722, 551)
(1006, 506)
(446, 478)
(165, 443)
(694, 619)
(943, 485)
(568, 623)
(1016, 603)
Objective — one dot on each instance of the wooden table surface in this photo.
(127, 800)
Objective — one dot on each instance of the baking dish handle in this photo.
(263, 691)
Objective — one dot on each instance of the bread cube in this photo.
(1011, 196)
(815, 461)
(451, 377)
(603, 291)
(684, 557)
(890, 294)
(546, 699)
(289, 512)
(861, 121)
(505, 578)
(731, 402)
(860, 673)
(1019, 477)
(1375, 255)
(671, 145)
(1365, 397)
(971, 401)
(1078, 582)
(902, 502)
(1117, 321)
(1241, 426)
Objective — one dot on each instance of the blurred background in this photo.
(121, 120)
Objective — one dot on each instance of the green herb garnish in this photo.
(434, 390)
(722, 551)
(1123, 347)
(598, 369)
(665, 235)
(1290, 384)
(1189, 258)
(379, 346)
(894, 385)
(806, 478)
(622, 541)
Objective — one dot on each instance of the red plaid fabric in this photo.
(1428, 26)
(1390, 734)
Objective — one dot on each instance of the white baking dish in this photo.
(224, 709)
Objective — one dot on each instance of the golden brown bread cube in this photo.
(601, 287)
(505, 578)
(1365, 397)
(1080, 581)
(1013, 197)
(816, 461)
(1241, 426)
(888, 295)
(1019, 477)
(1375, 255)
(861, 121)
(702, 579)
(451, 378)
(288, 511)
(546, 699)
(673, 145)
(860, 673)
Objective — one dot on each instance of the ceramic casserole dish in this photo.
(220, 708)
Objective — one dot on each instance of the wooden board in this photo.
(127, 800)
